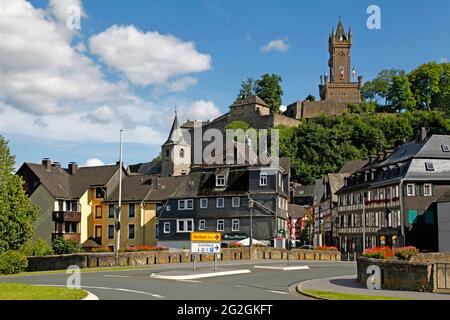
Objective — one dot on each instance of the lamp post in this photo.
(364, 222)
(120, 204)
(250, 205)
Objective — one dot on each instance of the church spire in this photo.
(176, 134)
(340, 32)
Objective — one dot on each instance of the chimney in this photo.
(47, 163)
(56, 164)
(73, 168)
(422, 134)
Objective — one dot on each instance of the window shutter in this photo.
(433, 189)
(421, 187)
(418, 190)
(405, 190)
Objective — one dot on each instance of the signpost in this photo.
(206, 242)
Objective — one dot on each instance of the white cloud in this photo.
(283, 108)
(200, 110)
(147, 58)
(279, 45)
(94, 162)
(39, 71)
(66, 12)
(181, 84)
(101, 115)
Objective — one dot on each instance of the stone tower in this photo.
(338, 84)
(176, 151)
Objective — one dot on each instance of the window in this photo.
(110, 231)
(185, 225)
(427, 190)
(203, 203)
(166, 227)
(235, 225)
(201, 225)
(111, 209)
(410, 189)
(98, 212)
(263, 179)
(156, 231)
(167, 152)
(280, 181)
(168, 207)
(220, 202)
(185, 204)
(236, 202)
(220, 180)
(220, 225)
(429, 166)
(99, 193)
(131, 210)
(181, 153)
(445, 148)
(131, 229)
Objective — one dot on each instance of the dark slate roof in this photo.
(303, 190)
(319, 190)
(134, 188)
(148, 168)
(61, 184)
(353, 166)
(178, 135)
(56, 181)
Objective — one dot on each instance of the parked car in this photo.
(306, 247)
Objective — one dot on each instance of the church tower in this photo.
(176, 151)
(339, 84)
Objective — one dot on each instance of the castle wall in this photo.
(312, 109)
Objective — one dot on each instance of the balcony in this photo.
(66, 216)
(67, 236)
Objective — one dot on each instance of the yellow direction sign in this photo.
(206, 236)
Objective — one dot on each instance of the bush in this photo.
(378, 253)
(325, 248)
(405, 253)
(61, 246)
(100, 250)
(12, 262)
(37, 248)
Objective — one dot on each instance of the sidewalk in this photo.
(348, 285)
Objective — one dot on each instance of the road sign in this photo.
(206, 237)
(205, 247)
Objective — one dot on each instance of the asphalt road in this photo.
(261, 284)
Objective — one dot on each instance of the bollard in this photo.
(215, 257)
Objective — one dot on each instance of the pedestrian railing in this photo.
(442, 275)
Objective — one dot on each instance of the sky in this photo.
(66, 92)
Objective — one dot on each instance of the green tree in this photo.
(16, 212)
(248, 88)
(310, 97)
(238, 124)
(425, 82)
(377, 89)
(269, 89)
(400, 96)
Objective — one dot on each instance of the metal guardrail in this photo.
(442, 275)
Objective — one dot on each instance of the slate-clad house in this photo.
(216, 198)
(402, 189)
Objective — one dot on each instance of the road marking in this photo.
(115, 276)
(274, 291)
(155, 295)
(192, 281)
(282, 268)
(240, 286)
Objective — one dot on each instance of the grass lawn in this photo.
(346, 296)
(16, 291)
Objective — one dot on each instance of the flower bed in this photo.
(406, 253)
(402, 253)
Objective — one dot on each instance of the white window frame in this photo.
(185, 223)
(413, 193)
(223, 225)
(166, 227)
(233, 225)
(238, 202)
(184, 204)
(429, 166)
(430, 194)
(201, 203)
(202, 225)
(168, 207)
(217, 203)
(128, 233)
(220, 177)
(263, 179)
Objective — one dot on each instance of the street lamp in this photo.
(250, 205)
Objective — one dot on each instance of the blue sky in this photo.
(226, 37)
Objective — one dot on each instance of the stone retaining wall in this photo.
(421, 274)
(92, 260)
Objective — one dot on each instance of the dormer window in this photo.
(429, 166)
(263, 179)
(220, 180)
(445, 148)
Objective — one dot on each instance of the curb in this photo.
(298, 288)
(199, 276)
(90, 296)
(282, 268)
